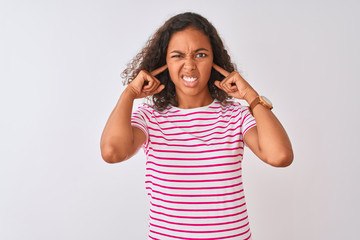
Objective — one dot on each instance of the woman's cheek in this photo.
(173, 68)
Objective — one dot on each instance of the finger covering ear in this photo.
(217, 83)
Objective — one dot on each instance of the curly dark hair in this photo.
(153, 56)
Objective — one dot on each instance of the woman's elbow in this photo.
(110, 155)
(284, 159)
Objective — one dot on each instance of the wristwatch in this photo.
(260, 100)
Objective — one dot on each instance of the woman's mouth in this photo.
(190, 81)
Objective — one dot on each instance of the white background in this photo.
(60, 65)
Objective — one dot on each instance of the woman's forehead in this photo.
(190, 39)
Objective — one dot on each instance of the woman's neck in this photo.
(194, 101)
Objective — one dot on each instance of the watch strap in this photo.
(256, 101)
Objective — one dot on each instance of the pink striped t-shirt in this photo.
(193, 171)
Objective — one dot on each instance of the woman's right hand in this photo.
(146, 83)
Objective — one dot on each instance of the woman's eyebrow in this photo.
(201, 49)
(197, 50)
(177, 52)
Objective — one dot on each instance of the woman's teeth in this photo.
(190, 79)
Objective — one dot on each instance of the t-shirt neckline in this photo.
(194, 109)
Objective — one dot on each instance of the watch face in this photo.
(266, 100)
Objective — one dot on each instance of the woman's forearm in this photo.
(274, 143)
(120, 140)
(117, 137)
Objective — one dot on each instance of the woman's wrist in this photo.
(129, 93)
(250, 96)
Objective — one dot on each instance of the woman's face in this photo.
(189, 59)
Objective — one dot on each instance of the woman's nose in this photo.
(189, 64)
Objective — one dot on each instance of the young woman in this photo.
(194, 133)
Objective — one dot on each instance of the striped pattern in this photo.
(193, 171)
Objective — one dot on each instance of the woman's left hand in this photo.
(235, 85)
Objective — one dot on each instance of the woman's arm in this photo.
(120, 140)
(268, 139)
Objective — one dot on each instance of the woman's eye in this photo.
(175, 56)
(201, 55)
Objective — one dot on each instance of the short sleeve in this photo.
(248, 121)
(138, 119)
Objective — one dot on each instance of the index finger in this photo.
(158, 70)
(221, 70)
